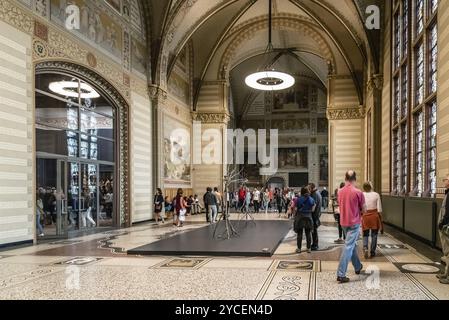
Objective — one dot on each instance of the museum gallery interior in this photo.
(117, 116)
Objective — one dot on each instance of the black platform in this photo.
(260, 239)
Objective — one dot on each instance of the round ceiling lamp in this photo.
(70, 89)
(268, 79)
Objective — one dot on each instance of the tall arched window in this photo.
(414, 105)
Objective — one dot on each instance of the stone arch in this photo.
(297, 23)
(122, 123)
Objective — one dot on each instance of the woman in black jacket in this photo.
(158, 203)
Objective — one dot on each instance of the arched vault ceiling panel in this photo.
(260, 8)
(189, 15)
(289, 32)
(207, 37)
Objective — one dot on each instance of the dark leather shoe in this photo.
(315, 248)
(342, 279)
(444, 281)
(359, 271)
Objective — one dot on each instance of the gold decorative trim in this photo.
(211, 117)
(346, 113)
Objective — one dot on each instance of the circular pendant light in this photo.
(269, 79)
(70, 89)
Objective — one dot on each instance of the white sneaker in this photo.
(41, 235)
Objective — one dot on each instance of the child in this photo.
(303, 220)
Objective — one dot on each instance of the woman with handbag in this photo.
(443, 227)
(180, 209)
(158, 203)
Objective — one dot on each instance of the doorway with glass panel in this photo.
(75, 148)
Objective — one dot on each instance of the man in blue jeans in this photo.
(351, 202)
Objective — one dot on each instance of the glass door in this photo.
(73, 199)
(89, 196)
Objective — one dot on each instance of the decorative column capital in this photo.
(375, 82)
(345, 113)
(156, 93)
(222, 118)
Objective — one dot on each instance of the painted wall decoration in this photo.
(297, 125)
(138, 56)
(177, 166)
(135, 17)
(322, 125)
(115, 4)
(293, 158)
(179, 87)
(323, 152)
(293, 99)
(96, 27)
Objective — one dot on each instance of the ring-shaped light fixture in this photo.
(269, 80)
(70, 89)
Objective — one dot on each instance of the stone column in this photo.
(158, 98)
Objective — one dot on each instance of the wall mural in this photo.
(179, 87)
(297, 125)
(96, 27)
(138, 56)
(293, 158)
(293, 99)
(323, 152)
(177, 168)
(322, 125)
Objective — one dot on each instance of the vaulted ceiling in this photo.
(230, 34)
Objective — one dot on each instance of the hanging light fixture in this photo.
(70, 89)
(269, 79)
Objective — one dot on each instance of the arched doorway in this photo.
(276, 182)
(81, 151)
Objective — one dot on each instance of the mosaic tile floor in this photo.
(97, 267)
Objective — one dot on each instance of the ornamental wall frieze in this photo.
(346, 113)
(16, 17)
(211, 117)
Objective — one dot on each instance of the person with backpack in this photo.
(304, 205)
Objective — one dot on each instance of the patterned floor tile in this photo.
(78, 261)
(182, 263)
(283, 285)
(388, 286)
(426, 268)
(296, 265)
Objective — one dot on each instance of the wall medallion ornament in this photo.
(91, 60)
(122, 109)
(345, 113)
(40, 49)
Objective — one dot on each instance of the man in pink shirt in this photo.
(352, 205)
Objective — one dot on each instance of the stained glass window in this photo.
(404, 27)
(419, 154)
(433, 59)
(396, 98)
(420, 74)
(404, 92)
(396, 162)
(433, 6)
(419, 16)
(397, 41)
(404, 158)
(432, 145)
